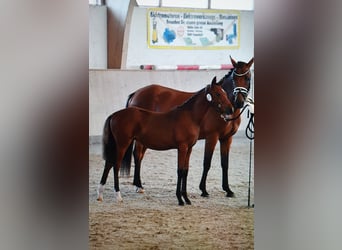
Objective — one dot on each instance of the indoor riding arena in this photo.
(181, 45)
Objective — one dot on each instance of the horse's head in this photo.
(239, 81)
(218, 98)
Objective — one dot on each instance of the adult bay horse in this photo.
(178, 129)
(158, 98)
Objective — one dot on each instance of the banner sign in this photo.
(193, 29)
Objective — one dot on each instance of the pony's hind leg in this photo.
(120, 155)
(139, 152)
(103, 181)
(117, 193)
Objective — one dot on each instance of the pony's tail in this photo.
(129, 98)
(126, 161)
(125, 168)
(108, 143)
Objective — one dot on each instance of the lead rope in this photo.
(250, 136)
(250, 115)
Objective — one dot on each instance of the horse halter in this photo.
(244, 91)
(209, 98)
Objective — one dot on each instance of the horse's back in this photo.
(153, 129)
(127, 121)
(135, 119)
(158, 98)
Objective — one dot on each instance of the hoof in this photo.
(140, 190)
(205, 194)
(185, 196)
(230, 194)
(100, 190)
(118, 196)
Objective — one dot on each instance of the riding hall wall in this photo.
(122, 42)
(109, 89)
(136, 51)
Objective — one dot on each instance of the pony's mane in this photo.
(191, 99)
(226, 76)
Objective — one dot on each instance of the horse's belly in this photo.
(157, 141)
(159, 146)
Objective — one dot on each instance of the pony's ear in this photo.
(249, 64)
(233, 62)
(214, 81)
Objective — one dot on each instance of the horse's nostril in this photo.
(229, 111)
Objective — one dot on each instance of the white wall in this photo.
(97, 37)
(138, 52)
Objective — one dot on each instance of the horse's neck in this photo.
(228, 86)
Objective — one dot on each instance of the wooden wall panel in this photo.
(116, 19)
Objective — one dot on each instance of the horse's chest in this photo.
(231, 128)
(212, 123)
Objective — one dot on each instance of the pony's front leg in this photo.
(182, 153)
(183, 166)
(225, 147)
(178, 190)
(184, 183)
(185, 177)
(210, 144)
(139, 152)
(103, 181)
(181, 187)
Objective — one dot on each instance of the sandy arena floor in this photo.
(154, 220)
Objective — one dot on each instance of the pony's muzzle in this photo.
(240, 94)
(239, 102)
(225, 117)
(227, 113)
